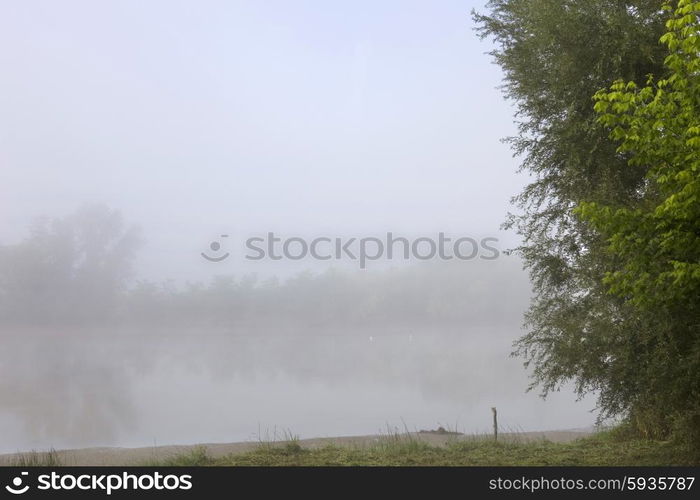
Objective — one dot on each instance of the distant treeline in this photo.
(76, 270)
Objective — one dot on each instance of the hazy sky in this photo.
(198, 118)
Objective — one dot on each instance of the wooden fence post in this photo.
(495, 423)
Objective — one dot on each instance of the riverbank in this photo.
(550, 448)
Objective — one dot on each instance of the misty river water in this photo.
(142, 388)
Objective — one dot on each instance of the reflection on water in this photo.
(137, 388)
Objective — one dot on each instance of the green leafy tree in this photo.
(611, 224)
(556, 54)
(655, 243)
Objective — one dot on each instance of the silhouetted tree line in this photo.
(77, 269)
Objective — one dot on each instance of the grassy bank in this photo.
(611, 448)
(608, 448)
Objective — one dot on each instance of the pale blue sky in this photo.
(196, 118)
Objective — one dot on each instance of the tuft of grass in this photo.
(293, 447)
(284, 443)
(395, 442)
(35, 458)
(197, 456)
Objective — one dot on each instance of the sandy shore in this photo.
(145, 455)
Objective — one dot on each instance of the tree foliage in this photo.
(598, 217)
(655, 242)
(70, 268)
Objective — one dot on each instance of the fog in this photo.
(141, 142)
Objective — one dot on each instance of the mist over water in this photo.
(382, 361)
(135, 134)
